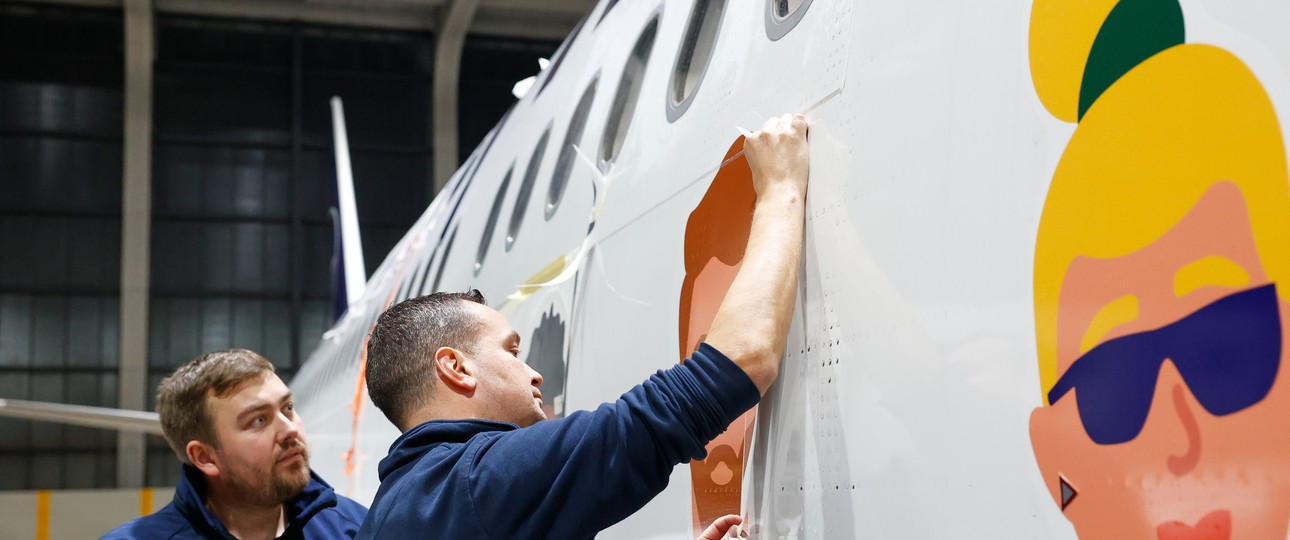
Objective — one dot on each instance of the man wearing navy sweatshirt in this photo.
(477, 459)
(246, 473)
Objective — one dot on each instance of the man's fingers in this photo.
(726, 522)
(769, 124)
(720, 527)
(799, 122)
(783, 124)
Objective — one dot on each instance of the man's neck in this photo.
(246, 521)
(441, 410)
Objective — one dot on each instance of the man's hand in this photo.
(720, 527)
(778, 154)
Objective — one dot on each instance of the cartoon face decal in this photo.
(715, 238)
(1161, 267)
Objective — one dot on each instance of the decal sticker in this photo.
(715, 238)
(546, 355)
(1161, 265)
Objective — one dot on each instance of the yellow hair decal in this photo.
(1061, 37)
(1121, 310)
(1181, 121)
(1212, 270)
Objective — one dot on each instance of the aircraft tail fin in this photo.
(349, 274)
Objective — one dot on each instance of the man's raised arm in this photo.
(751, 326)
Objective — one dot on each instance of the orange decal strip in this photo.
(356, 404)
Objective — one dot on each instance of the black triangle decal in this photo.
(1068, 493)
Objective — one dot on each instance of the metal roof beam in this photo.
(509, 18)
(447, 73)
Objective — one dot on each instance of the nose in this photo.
(536, 379)
(291, 428)
(1185, 461)
(1183, 464)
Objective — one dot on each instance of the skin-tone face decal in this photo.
(715, 238)
(1185, 465)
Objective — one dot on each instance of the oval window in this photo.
(694, 55)
(564, 164)
(492, 221)
(475, 162)
(558, 57)
(783, 15)
(629, 89)
(443, 263)
(608, 7)
(526, 190)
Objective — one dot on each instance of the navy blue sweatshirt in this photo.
(317, 512)
(564, 479)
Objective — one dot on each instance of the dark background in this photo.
(243, 175)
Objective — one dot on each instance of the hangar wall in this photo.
(242, 180)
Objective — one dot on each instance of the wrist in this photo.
(781, 192)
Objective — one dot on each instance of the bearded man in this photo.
(234, 426)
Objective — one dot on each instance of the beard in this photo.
(282, 482)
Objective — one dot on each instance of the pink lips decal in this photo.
(1216, 525)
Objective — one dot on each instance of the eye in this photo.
(291, 406)
(258, 421)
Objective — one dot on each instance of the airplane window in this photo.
(608, 7)
(558, 57)
(784, 8)
(695, 52)
(629, 88)
(526, 189)
(564, 164)
(783, 15)
(472, 164)
(423, 280)
(443, 263)
(492, 221)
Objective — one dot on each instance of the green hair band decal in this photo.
(1133, 32)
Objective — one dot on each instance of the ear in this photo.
(453, 369)
(202, 456)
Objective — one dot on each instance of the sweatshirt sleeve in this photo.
(573, 477)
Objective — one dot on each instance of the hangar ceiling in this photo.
(530, 19)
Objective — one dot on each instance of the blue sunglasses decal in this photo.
(1227, 352)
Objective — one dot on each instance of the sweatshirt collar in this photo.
(417, 441)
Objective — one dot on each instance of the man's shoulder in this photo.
(349, 505)
(166, 523)
(441, 443)
(412, 490)
(324, 513)
(341, 521)
(349, 510)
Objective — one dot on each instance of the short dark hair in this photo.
(404, 340)
(181, 397)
